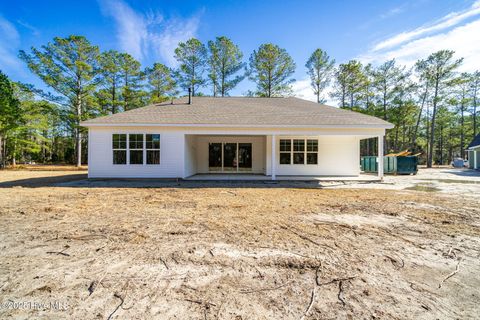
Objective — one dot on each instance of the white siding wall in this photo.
(258, 150)
(337, 156)
(190, 156)
(184, 151)
(100, 155)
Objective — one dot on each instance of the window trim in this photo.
(292, 152)
(280, 152)
(136, 149)
(152, 149)
(143, 149)
(310, 152)
(120, 149)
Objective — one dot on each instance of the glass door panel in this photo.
(230, 157)
(215, 157)
(244, 157)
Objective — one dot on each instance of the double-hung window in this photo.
(119, 146)
(135, 144)
(312, 151)
(298, 151)
(285, 151)
(153, 148)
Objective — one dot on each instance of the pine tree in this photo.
(70, 67)
(192, 56)
(439, 69)
(271, 68)
(224, 60)
(9, 114)
(160, 81)
(319, 68)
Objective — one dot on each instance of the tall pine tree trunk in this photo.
(441, 144)
(474, 113)
(2, 159)
(475, 117)
(462, 133)
(417, 125)
(78, 138)
(14, 153)
(432, 128)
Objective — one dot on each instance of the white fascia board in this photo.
(326, 126)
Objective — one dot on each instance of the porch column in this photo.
(273, 156)
(380, 157)
(475, 155)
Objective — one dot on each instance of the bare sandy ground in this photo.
(458, 182)
(73, 248)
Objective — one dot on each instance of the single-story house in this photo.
(272, 137)
(474, 153)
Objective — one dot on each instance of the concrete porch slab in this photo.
(261, 177)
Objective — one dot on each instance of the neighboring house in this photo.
(474, 153)
(265, 136)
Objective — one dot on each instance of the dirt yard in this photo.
(78, 249)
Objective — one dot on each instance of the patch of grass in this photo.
(425, 187)
(453, 181)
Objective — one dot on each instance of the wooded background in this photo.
(432, 105)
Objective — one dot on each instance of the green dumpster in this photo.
(407, 165)
(391, 164)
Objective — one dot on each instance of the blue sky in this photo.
(371, 31)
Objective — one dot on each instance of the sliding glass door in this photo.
(244, 157)
(230, 157)
(215, 157)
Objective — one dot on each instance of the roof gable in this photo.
(475, 142)
(241, 111)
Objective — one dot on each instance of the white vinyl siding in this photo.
(184, 150)
(336, 156)
(100, 155)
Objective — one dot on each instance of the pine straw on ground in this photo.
(238, 253)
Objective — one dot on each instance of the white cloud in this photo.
(148, 34)
(9, 44)
(462, 39)
(446, 22)
(452, 32)
(28, 26)
(131, 27)
(303, 89)
(175, 31)
(393, 12)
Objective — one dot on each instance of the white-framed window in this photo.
(285, 151)
(312, 151)
(152, 145)
(136, 148)
(298, 151)
(119, 146)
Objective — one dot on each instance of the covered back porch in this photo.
(278, 156)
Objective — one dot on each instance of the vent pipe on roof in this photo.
(189, 95)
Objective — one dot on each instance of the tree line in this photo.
(432, 105)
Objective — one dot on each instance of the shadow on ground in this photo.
(464, 172)
(81, 181)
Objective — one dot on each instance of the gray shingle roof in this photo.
(241, 111)
(475, 142)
